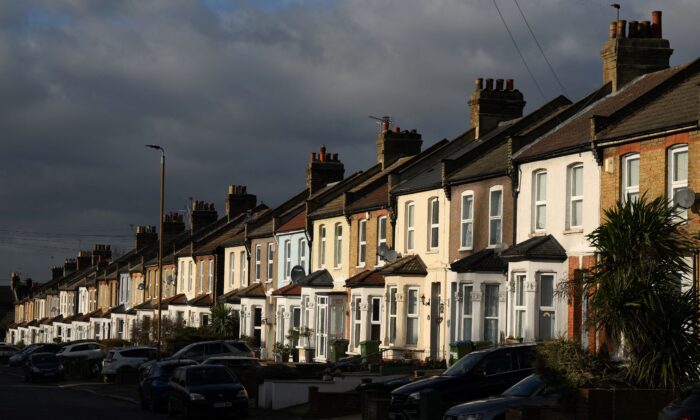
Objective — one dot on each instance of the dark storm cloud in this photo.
(240, 92)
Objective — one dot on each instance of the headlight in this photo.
(196, 397)
(242, 394)
(475, 416)
(415, 396)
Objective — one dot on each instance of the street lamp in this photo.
(160, 242)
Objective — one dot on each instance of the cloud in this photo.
(241, 91)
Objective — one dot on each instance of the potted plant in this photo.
(281, 351)
(306, 333)
(293, 336)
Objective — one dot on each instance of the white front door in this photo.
(321, 327)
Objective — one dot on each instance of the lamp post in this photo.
(160, 243)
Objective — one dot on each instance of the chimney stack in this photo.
(84, 259)
(101, 253)
(238, 201)
(173, 225)
(69, 266)
(203, 214)
(491, 106)
(56, 272)
(633, 50)
(146, 236)
(325, 169)
(14, 280)
(395, 144)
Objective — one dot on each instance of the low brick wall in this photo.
(332, 404)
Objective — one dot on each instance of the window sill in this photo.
(432, 251)
(361, 266)
(573, 231)
(536, 234)
(471, 248)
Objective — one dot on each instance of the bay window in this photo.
(412, 316)
(392, 315)
(519, 306)
(467, 305)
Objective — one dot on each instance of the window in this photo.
(491, 313)
(322, 247)
(287, 259)
(630, 177)
(520, 305)
(201, 276)
(338, 245)
(231, 261)
(211, 276)
(302, 253)
(392, 315)
(356, 321)
(257, 324)
(362, 243)
(546, 314)
(575, 194)
(243, 269)
(270, 261)
(539, 200)
(258, 257)
(190, 278)
(434, 222)
(467, 225)
(375, 325)
(410, 227)
(677, 171)
(412, 317)
(381, 232)
(467, 305)
(495, 215)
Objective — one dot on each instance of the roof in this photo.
(121, 309)
(319, 278)
(575, 132)
(329, 201)
(230, 297)
(291, 289)
(178, 299)
(539, 248)
(366, 278)
(298, 222)
(493, 162)
(486, 260)
(145, 306)
(410, 265)
(202, 300)
(375, 197)
(255, 290)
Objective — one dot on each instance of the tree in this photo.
(636, 293)
(224, 321)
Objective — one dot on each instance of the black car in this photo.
(203, 350)
(685, 407)
(45, 366)
(20, 358)
(153, 384)
(530, 391)
(210, 389)
(477, 375)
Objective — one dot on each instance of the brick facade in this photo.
(372, 238)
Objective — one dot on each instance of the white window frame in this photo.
(434, 226)
(628, 190)
(338, 245)
(375, 319)
(232, 267)
(322, 246)
(191, 277)
(573, 199)
(672, 184)
(201, 276)
(258, 262)
(485, 307)
(381, 239)
(539, 203)
(362, 243)
(287, 259)
(498, 218)
(466, 221)
(519, 305)
(413, 315)
(550, 309)
(392, 314)
(356, 322)
(410, 242)
(270, 261)
(302, 253)
(211, 276)
(243, 269)
(467, 303)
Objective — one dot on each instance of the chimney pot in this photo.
(489, 84)
(646, 25)
(479, 82)
(656, 24)
(313, 156)
(509, 84)
(499, 84)
(335, 157)
(397, 129)
(621, 31)
(632, 29)
(613, 29)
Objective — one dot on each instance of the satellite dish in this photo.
(142, 286)
(383, 250)
(297, 273)
(391, 256)
(684, 198)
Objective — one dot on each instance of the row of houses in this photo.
(473, 238)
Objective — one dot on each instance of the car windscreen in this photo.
(464, 365)
(211, 375)
(45, 360)
(525, 388)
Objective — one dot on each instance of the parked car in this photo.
(20, 358)
(7, 351)
(687, 406)
(206, 349)
(234, 363)
(477, 375)
(206, 389)
(126, 357)
(43, 366)
(90, 350)
(153, 385)
(529, 391)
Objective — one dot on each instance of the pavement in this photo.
(91, 400)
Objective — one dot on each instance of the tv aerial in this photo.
(384, 122)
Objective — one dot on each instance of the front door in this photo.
(435, 320)
(321, 327)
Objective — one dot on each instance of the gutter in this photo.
(681, 129)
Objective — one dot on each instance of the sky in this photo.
(239, 92)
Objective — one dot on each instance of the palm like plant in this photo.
(636, 292)
(224, 321)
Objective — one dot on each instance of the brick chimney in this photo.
(146, 236)
(628, 54)
(101, 254)
(238, 201)
(173, 225)
(323, 169)
(203, 214)
(56, 272)
(14, 280)
(490, 106)
(84, 259)
(393, 144)
(69, 266)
